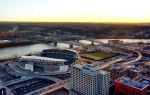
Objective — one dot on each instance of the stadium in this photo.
(50, 62)
(67, 54)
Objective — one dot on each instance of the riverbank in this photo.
(9, 59)
(15, 44)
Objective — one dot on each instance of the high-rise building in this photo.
(89, 80)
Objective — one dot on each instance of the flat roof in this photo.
(42, 58)
(132, 83)
(145, 80)
(60, 49)
(90, 68)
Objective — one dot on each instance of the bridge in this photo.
(73, 43)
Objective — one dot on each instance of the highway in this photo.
(103, 65)
(135, 60)
(106, 64)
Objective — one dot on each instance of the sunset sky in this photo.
(75, 10)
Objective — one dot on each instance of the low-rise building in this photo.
(128, 86)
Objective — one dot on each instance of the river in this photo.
(10, 52)
(126, 40)
(23, 50)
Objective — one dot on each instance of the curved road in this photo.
(131, 61)
(135, 60)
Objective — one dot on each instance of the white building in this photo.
(43, 60)
(89, 80)
(43, 64)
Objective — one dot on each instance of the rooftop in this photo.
(145, 80)
(41, 58)
(90, 69)
(132, 83)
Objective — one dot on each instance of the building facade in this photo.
(88, 80)
(43, 64)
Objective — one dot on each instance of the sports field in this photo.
(97, 55)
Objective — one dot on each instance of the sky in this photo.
(75, 10)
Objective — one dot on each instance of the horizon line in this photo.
(74, 22)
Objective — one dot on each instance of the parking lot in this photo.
(28, 86)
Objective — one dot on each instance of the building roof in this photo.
(145, 80)
(90, 69)
(72, 50)
(42, 58)
(132, 83)
(60, 49)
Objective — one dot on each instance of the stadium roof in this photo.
(42, 58)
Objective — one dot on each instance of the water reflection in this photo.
(126, 40)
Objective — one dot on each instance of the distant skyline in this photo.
(75, 10)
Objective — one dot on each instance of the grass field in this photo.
(98, 55)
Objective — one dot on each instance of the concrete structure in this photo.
(88, 80)
(67, 54)
(43, 60)
(43, 64)
(48, 62)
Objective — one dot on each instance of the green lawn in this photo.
(98, 55)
